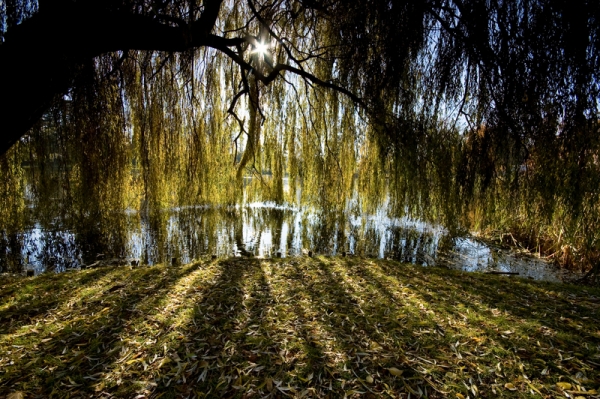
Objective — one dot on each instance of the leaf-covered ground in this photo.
(299, 327)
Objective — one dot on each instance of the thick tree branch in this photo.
(41, 57)
(62, 38)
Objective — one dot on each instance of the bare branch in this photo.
(267, 79)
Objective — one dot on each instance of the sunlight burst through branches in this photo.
(261, 48)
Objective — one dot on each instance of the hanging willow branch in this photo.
(479, 114)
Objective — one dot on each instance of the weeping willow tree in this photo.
(478, 115)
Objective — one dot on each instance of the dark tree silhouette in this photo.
(520, 62)
(470, 107)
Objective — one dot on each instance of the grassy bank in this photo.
(324, 327)
(548, 243)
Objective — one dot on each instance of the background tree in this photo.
(479, 114)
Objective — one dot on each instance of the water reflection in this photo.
(471, 255)
(254, 230)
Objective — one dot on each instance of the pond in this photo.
(181, 235)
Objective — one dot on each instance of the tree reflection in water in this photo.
(260, 230)
(191, 232)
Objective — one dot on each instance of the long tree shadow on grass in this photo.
(71, 349)
(496, 319)
(336, 334)
(212, 353)
(525, 300)
(394, 329)
(313, 358)
(242, 340)
(31, 297)
(324, 327)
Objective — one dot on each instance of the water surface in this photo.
(257, 230)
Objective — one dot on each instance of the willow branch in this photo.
(212, 41)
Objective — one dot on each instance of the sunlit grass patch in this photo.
(323, 327)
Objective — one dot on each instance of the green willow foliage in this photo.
(478, 115)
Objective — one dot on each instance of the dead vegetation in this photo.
(296, 327)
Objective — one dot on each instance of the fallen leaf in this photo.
(369, 379)
(563, 385)
(451, 375)
(395, 371)
(269, 382)
(510, 386)
(16, 395)
(534, 388)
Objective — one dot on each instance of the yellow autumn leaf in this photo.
(99, 386)
(133, 361)
(534, 388)
(395, 371)
(451, 375)
(269, 382)
(510, 386)
(563, 385)
(460, 396)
